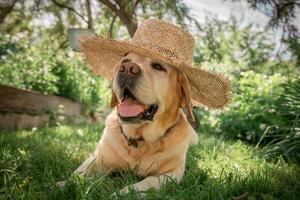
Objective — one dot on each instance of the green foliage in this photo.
(34, 68)
(264, 111)
(257, 75)
(251, 109)
(33, 161)
(294, 45)
(288, 102)
(172, 10)
(235, 48)
(227, 41)
(283, 15)
(285, 137)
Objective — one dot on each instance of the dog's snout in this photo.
(130, 68)
(128, 74)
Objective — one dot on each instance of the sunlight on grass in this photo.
(234, 169)
(33, 161)
(232, 157)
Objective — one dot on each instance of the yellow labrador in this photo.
(149, 131)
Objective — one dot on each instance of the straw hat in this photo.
(163, 42)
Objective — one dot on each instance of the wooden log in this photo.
(20, 109)
(24, 101)
(18, 121)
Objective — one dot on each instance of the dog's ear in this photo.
(185, 99)
(113, 100)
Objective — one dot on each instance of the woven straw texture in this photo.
(163, 42)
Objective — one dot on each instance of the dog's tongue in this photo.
(130, 107)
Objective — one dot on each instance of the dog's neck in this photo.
(153, 131)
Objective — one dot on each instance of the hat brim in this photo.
(207, 88)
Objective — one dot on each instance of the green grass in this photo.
(33, 161)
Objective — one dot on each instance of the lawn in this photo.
(33, 161)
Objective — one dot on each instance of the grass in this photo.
(33, 161)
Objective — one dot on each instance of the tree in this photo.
(126, 11)
(236, 48)
(5, 8)
(282, 15)
(119, 12)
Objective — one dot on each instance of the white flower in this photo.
(262, 126)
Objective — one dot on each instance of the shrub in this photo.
(251, 109)
(32, 67)
(265, 111)
(284, 138)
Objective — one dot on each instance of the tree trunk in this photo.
(127, 16)
(130, 24)
(5, 8)
(89, 14)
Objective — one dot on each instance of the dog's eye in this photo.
(158, 67)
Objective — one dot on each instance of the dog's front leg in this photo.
(86, 167)
(157, 181)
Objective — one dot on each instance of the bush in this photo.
(284, 138)
(28, 66)
(261, 101)
(265, 111)
(251, 109)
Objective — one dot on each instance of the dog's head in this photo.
(145, 90)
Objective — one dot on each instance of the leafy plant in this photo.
(285, 137)
(33, 67)
(251, 109)
(229, 47)
(32, 161)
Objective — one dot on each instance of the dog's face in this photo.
(145, 90)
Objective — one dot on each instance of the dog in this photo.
(154, 85)
(149, 131)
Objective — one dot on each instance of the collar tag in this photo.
(132, 142)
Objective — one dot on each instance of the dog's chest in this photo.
(153, 158)
(147, 159)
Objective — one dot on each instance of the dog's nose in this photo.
(130, 69)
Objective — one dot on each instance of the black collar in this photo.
(131, 141)
(134, 141)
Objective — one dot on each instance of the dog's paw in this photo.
(121, 192)
(127, 190)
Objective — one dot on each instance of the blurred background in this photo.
(255, 42)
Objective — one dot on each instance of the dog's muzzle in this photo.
(128, 75)
(132, 109)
